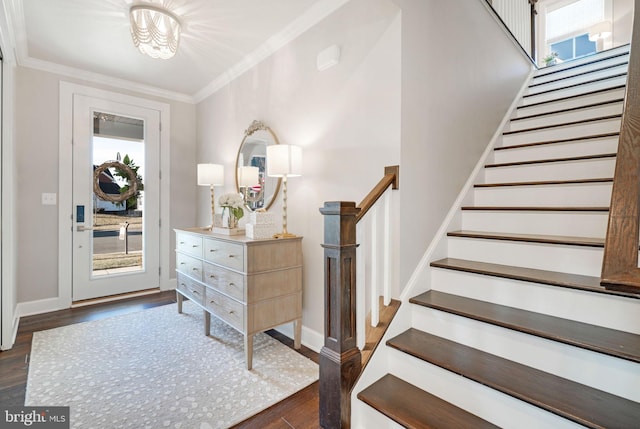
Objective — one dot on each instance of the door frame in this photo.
(65, 162)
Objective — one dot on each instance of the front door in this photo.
(115, 236)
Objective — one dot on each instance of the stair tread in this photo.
(564, 124)
(549, 160)
(574, 401)
(550, 70)
(545, 182)
(536, 208)
(595, 70)
(585, 83)
(569, 140)
(572, 109)
(570, 97)
(553, 278)
(531, 238)
(412, 407)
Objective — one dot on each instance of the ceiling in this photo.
(220, 39)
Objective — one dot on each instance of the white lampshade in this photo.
(284, 159)
(210, 174)
(601, 30)
(155, 31)
(248, 176)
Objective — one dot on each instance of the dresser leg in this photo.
(297, 333)
(207, 322)
(179, 300)
(248, 350)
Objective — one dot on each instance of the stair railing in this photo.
(344, 306)
(620, 263)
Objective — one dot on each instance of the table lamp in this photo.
(284, 161)
(211, 175)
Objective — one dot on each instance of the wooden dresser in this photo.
(252, 285)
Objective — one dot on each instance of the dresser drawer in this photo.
(189, 265)
(191, 289)
(189, 244)
(227, 254)
(227, 309)
(228, 282)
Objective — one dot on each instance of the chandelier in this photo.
(155, 31)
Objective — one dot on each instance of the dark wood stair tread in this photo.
(550, 70)
(544, 182)
(563, 124)
(583, 73)
(535, 209)
(575, 85)
(570, 97)
(572, 109)
(559, 141)
(412, 407)
(531, 238)
(577, 402)
(551, 160)
(553, 278)
(620, 344)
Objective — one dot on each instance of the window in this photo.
(574, 47)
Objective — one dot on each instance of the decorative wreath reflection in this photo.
(122, 168)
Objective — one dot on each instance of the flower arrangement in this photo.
(233, 203)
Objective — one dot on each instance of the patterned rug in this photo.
(156, 369)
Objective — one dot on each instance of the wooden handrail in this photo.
(391, 178)
(340, 359)
(620, 262)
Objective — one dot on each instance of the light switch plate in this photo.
(49, 199)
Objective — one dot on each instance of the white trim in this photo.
(304, 22)
(14, 334)
(65, 157)
(310, 338)
(316, 13)
(29, 308)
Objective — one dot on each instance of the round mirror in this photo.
(259, 190)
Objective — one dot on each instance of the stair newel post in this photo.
(340, 358)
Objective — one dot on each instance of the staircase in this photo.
(514, 329)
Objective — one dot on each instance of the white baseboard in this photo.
(310, 338)
(14, 335)
(30, 308)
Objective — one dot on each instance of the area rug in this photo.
(156, 369)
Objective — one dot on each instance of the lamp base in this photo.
(284, 235)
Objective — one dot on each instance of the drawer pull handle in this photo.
(183, 263)
(232, 256)
(213, 302)
(212, 250)
(195, 292)
(183, 285)
(232, 312)
(212, 276)
(232, 284)
(182, 242)
(195, 245)
(194, 269)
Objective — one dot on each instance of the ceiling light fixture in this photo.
(155, 31)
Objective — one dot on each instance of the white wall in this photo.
(347, 119)
(36, 135)
(460, 73)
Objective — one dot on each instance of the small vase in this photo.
(228, 219)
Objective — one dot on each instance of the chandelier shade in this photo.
(155, 31)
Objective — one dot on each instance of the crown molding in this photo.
(313, 15)
(304, 22)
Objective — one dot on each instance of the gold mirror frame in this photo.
(264, 194)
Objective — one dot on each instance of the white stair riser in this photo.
(612, 312)
(577, 90)
(562, 132)
(578, 79)
(552, 257)
(563, 118)
(557, 150)
(615, 61)
(589, 169)
(364, 417)
(593, 369)
(499, 408)
(585, 60)
(570, 103)
(577, 224)
(578, 195)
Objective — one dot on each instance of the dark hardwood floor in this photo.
(298, 411)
